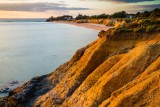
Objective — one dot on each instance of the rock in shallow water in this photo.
(14, 83)
(5, 90)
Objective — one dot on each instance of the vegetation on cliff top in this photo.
(139, 26)
(145, 22)
(122, 14)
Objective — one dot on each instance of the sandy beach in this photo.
(98, 27)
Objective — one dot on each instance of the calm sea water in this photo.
(29, 49)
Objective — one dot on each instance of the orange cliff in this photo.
(117, 70)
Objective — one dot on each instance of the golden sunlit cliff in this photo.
(117, 70)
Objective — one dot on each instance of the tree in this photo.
(121, 14)
(80, 16)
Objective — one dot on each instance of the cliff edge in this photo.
(117, 70)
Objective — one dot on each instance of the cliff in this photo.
(117, 70)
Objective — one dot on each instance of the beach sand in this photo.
(87, 25)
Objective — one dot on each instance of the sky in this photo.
(47, 8)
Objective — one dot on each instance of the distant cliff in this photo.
(120, 69)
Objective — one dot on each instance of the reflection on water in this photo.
(29, 49)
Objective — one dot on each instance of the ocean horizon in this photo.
(22, 19)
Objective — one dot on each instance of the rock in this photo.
(14, 83)
(5, 90)
(42, 91)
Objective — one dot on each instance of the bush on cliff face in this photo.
(144, 25)
(81, 21)
(121, 30)
(138, 26)
(151, 29)
(144, 21)
(101, 33)
(147, 22)
(129, 20)
(118, 23)
(139, 30)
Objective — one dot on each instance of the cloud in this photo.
(147, 7)
(141, 8)
(37, 7)
(128, 1)
(153, 6)
(125, 1)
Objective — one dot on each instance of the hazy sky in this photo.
(46, 8)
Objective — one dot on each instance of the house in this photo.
(130, 16)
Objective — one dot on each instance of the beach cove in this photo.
(41, 50)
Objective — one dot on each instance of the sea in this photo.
(33, 47)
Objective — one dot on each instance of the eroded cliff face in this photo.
(117, 70)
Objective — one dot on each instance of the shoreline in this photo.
(98, 27)
(94, 26)
(89, 66)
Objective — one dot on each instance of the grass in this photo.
(140, 26)
(120, 30)
(139, 30)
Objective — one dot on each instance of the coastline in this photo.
(94, 26)
(120, 68)
(8, 84)
(90, 67)
(97, 27)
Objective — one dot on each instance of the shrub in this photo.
(153, 22)
(117, 24)
(120, 30)
(100, 21)
(148, 22)
(128, 20)
(120, 23)
(144, 22)
(132, 25)
(81, 21)
(151, 29)
(139, 30)
(123, 23)
(158, 29)
(101, 33)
